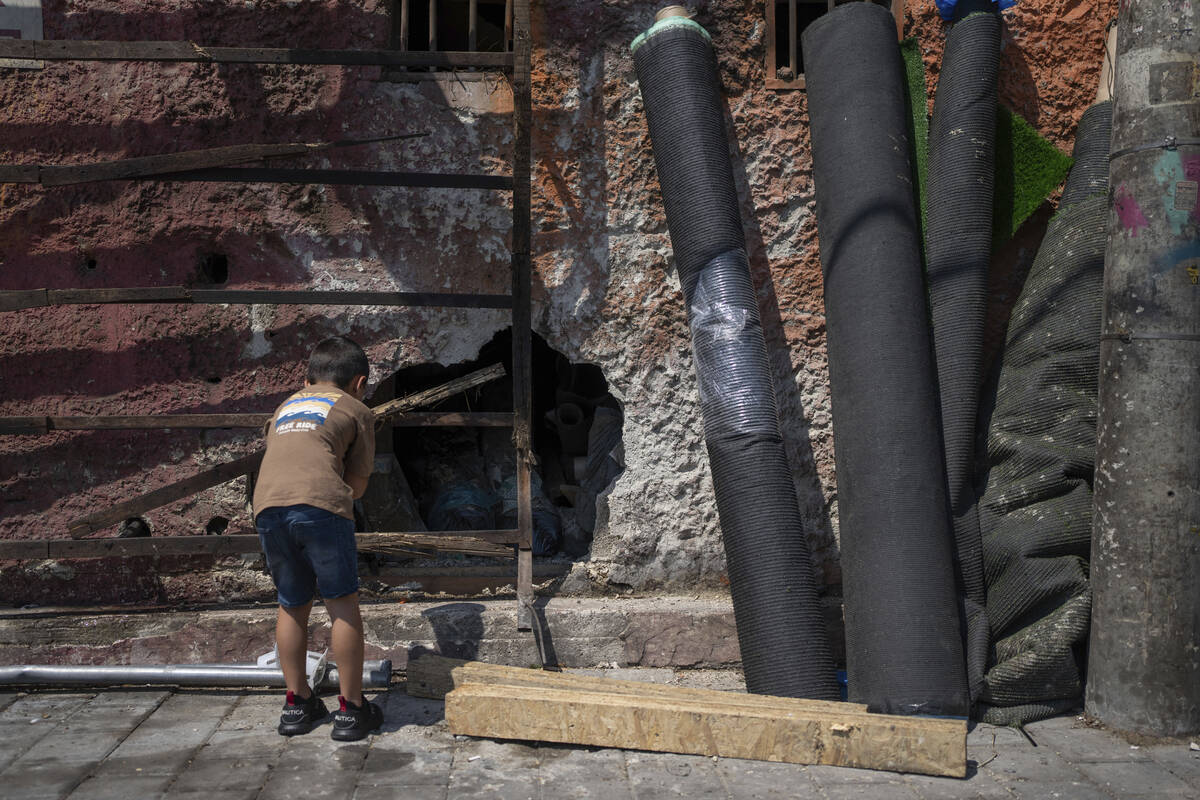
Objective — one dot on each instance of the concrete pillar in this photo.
(1144, 660)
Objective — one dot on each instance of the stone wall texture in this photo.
(605, 291)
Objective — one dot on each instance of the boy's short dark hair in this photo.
(337, 360)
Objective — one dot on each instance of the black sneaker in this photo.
(352, 722)
(300, 714)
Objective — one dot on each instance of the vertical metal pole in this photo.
(1144, 653)
(793, 39)
(433, 23)
(472, 25)
(508, 24)
(403, 24)
(522, 315)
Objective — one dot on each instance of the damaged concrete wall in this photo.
(604, 288)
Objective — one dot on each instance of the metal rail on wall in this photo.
(515, 62)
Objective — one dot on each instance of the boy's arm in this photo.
(357, 483)
(360, 460)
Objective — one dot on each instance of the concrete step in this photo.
(686, 632)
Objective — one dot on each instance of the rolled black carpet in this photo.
(1036, 509)
(784, 644)
(958, 248)
(904, 649)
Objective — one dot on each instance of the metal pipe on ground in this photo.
(1144, 654)
(376, 675)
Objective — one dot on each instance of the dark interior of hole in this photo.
(807, 13)
(89, 263)
(452, 25)
(216, 526)
(133, 528)
(213, 268)
(464, 478)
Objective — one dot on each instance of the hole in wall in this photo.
(90, 263)
(213, 268)
(216, 526)
(133, 528)
(465, 478)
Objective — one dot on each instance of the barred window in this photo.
(473, 25)
(786, 21)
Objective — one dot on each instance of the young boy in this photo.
(320, 452)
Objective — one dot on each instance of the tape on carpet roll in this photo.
(784, 644)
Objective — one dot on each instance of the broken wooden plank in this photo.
(795, 731)
(447, 390)
(462, 542)
(175, 51)
(434, 676)
(163, 495)
(249, 464)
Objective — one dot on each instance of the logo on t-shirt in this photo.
(304, 412)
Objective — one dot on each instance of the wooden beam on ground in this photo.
(249, 464)
(18, 300)
(792, 731)
(83, 50)
(434, 676)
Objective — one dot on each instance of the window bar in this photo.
(403, 24)
(433, 21)
(473, 26)
(792, 37)
(508, 25)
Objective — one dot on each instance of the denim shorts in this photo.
(308, 549)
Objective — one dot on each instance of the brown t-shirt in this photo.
(315, 437)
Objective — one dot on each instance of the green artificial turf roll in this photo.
(1028, 167)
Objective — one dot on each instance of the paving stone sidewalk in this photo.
(221, 745)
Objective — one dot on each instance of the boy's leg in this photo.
(291, 641)
(347, 645)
